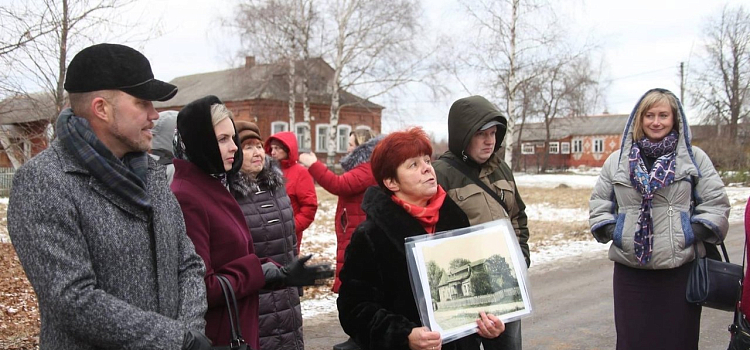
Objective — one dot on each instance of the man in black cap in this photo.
(99, 233)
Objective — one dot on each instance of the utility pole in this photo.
(682, 82)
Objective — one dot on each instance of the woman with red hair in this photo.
(376, 303)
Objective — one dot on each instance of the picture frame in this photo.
(457, 274)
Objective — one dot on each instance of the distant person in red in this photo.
(350, 188)
(299, 184)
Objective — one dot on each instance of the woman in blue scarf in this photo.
(659, 200)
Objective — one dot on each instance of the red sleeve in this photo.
(307, 200)
(244, 273)
(745, 301)
(350, 183)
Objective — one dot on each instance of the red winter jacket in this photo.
(350, 188)
(745, 301)
(216, 225)
(299, 184)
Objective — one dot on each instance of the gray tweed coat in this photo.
(102, 280)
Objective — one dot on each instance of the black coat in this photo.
(376, 305)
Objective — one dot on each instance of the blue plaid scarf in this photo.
(126, 177)
(645, 182)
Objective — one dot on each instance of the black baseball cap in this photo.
(116, 67)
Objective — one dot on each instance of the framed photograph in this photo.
(457, 274)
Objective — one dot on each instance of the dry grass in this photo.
(541, 232)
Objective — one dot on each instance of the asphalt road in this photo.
(573, 307)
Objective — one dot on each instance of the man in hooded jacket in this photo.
(476, 129)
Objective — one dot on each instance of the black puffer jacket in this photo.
(268, 213)
(376, 304)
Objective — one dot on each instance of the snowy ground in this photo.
(559, 246)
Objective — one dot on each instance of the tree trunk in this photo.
(292, 96)
(9, 148)
(333, 130)
(512, 85)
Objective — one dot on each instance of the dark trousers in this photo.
(508, 340)
(651, 311)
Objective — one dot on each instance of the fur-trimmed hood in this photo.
(361, 154)
(271, 178)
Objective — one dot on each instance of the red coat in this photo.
(350, 188)
(299, 184)
(217, 227)
(745, 301)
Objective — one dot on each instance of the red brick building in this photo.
(260, 93)
(25, 127)
(575, 141)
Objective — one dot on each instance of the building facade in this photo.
(259, 93)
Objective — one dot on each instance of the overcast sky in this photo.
(643, 43)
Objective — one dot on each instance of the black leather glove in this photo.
(296, 273)
(605, 233)
(195, 341)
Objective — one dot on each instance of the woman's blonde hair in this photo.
(361, 136)
(651, 99)
(220, 112)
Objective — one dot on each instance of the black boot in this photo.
(347, 345)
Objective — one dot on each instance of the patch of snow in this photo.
(4, 200)
(554, 180)
(551, 253)
(548, 212)
(324, 304)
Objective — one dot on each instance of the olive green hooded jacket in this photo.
(466, 116)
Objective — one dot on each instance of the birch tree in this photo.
(722, 87)
(562, 88)
(511, 39)
(372, 51)
(39, 37)
(282, 30)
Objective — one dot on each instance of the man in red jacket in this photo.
(299, 184)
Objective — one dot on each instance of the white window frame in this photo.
(565, 147)
(27, 149)
(577, 145)
(322, 130)
(300, 142)
(598, 146)
(554, 148)
(284, 127)
(527, 148)
(342, 137)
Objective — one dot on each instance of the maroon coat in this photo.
(299, 185)
(350, 188)
(217, 227)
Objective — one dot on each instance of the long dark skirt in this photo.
(651, 311)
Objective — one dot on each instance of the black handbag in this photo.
(713, 283)
(237, 342)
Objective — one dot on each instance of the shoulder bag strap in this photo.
(462, 168)
(234, 317)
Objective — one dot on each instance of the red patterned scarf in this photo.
(427, 216)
